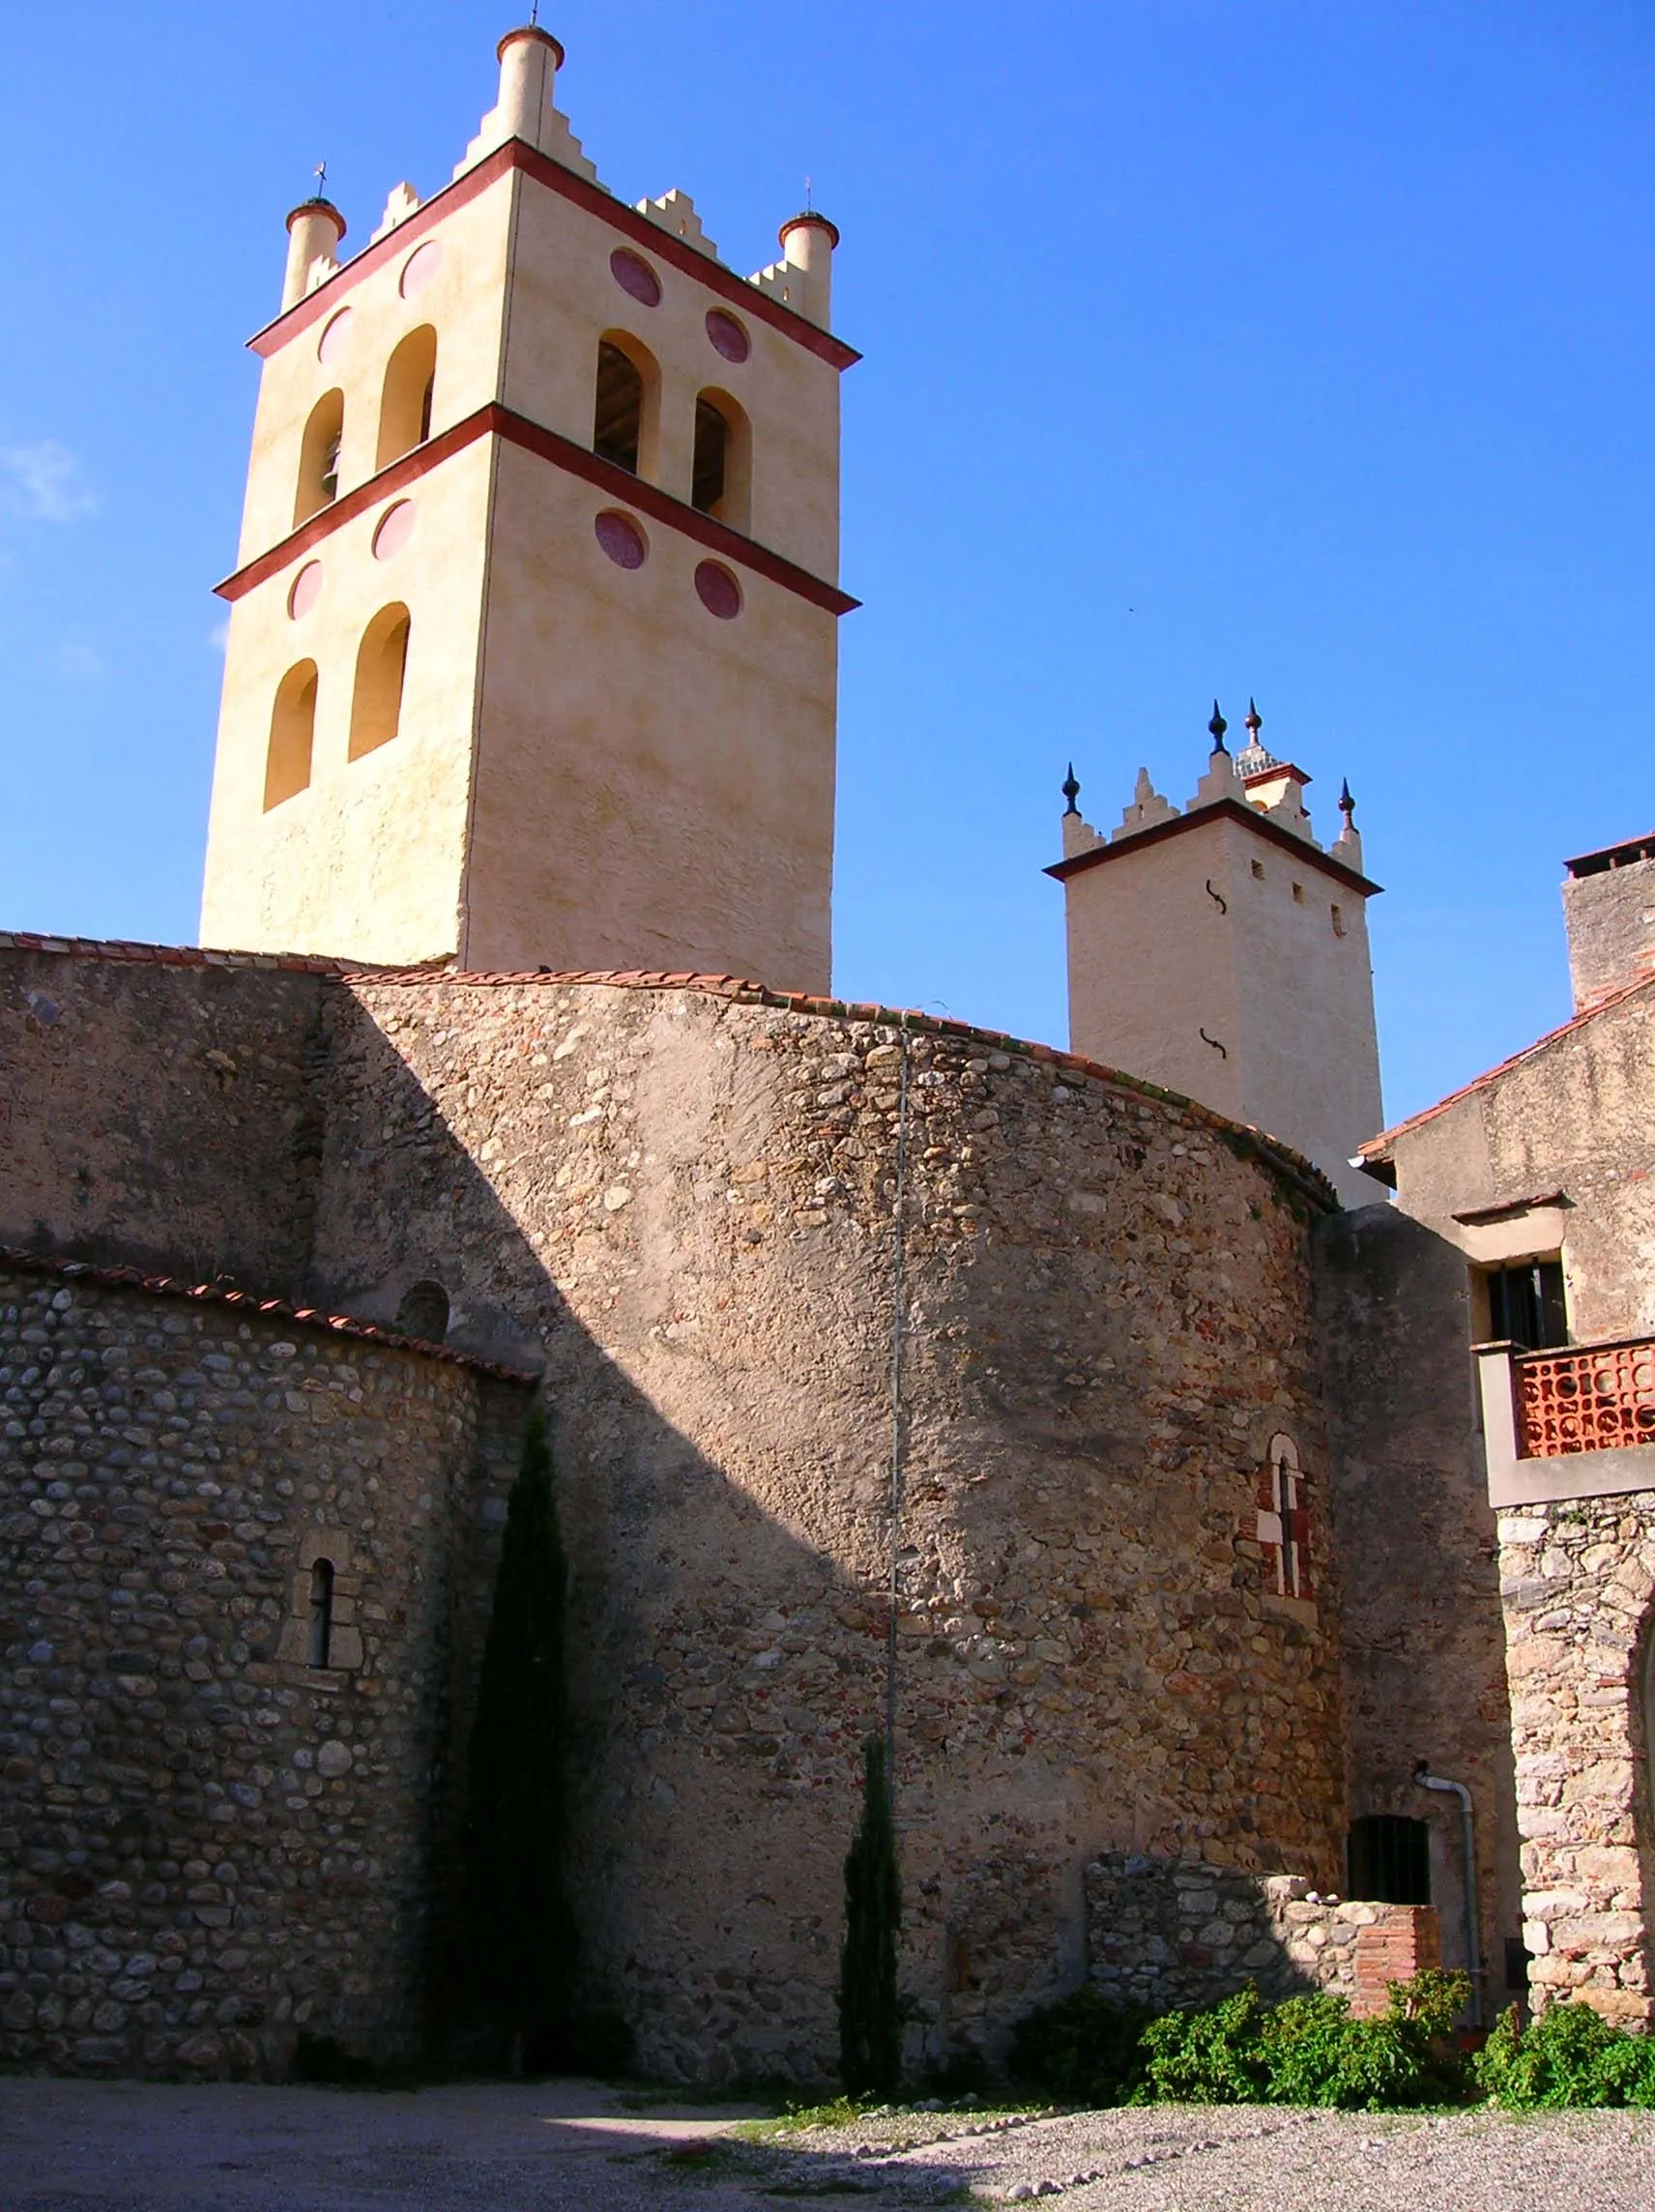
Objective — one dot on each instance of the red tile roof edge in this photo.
(1379, 1148)
(1271, 1149)
(247, 1302)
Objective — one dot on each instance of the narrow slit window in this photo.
(1338, 914)
(321, 1613)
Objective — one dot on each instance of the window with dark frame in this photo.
(1387, 1860)
(1527, 1304)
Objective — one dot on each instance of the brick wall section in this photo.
(1578, 1583)
(1404, 1940)
(204, 1844)
(680, 1205)
(1175, 1933)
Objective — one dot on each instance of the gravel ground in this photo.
(77, 2146)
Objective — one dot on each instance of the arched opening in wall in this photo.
(1284, 1523)
(424, 1312)
(319, 457)
(321, 1624)
(722, 478)
(405, 399)
(1387, 1859)
(292, 735)
(382, 664)
(625, 404)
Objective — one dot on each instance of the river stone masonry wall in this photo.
(679, 1204)
(1577, 1580)
(1166, 1934)
(205, 1844)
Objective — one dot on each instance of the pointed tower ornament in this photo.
(1071, 790)
(1255, 722)
(1218, 725)
(1346, 805)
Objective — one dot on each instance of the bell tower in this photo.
(1223, 952)
(532, 655)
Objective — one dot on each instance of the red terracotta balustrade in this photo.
(1587, 1397)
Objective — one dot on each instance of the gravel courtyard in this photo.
(77, 2146)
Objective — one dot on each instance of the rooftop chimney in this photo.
(1609, 910)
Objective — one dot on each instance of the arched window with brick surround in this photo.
(1284, 1522)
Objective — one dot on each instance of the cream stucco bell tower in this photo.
(1222, 951)
(532, 655)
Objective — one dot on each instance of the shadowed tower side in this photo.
(1221, 950)
(532, 655)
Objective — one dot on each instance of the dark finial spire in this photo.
(1071, 790)
(1255, 721)
(1346, 805)
(1218, 725)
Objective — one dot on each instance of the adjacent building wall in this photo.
(1424, 1647)
(1570, 1123)
(206, 1844)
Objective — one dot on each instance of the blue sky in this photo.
(1272, 346)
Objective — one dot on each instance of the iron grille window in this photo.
(1388, 1860)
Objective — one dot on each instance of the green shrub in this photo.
(1316, 2054)
(1081, 2049)
(1570, 2055)
(1215, 2057)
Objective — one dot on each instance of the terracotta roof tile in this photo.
(247, 1302)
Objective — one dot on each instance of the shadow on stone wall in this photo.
(678, 1214)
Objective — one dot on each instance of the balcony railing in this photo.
(1584, 1398)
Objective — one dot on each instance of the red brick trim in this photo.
(517, 154)
(562, 453)
(1216, 809)
(247, 1302)
(1293, 1168)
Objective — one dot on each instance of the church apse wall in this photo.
(233, 1544)
(682, 1202)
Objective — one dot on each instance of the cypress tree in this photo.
(520, 1935)
(870, 2024)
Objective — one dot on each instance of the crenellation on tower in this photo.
(1219, 949)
